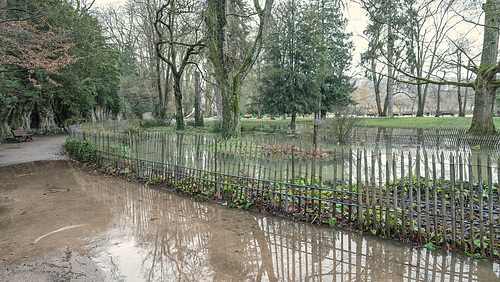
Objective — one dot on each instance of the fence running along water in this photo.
(426, 197)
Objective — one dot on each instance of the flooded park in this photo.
(62, 222)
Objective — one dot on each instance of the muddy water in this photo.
(134, 233)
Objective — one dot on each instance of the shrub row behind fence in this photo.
(423, 198)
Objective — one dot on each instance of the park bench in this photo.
(447, 114)
(20, 133)
(407, 114)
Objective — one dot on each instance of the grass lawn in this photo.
(254, 122)
(423, 122)
(398, 122)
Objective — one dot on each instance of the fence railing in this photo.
(421, 197)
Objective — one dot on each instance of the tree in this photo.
(216, 18)
(336, 53)
(289, 85)
(385, 16)
(370, 59)
(181, 21)
(308, 55)
(43, 95)
(34, 47)
(485, 83)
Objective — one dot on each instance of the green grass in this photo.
(423, 122)
(399, 122)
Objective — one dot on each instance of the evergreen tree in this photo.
(308, 55)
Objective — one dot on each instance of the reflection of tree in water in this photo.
(178, 239)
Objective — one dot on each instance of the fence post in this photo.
(359, 189)
(490, 208)
(218, 185)
(176, 174)
(286, 198)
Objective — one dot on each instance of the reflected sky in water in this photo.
(159, 236)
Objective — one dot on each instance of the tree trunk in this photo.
(438, 107)
(219, 54)
(485, 88)
(420, 102)
(376, 86)
(161, 107)
(461, 109)
(218, 101)
(293, 122)
(198, 113)
(179, 117)
(390, 80)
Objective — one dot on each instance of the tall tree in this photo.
(336, 53)
(182, 22)
(486, 83)
(308, 55)
(219, 53)
(289, 84)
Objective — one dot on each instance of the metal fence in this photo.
(422, 197)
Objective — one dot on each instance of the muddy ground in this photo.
(33, 204)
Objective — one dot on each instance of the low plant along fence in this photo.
(424, 198)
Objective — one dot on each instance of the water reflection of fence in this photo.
(347, 257)
(275, 249)
(448, 201)
(440, 137)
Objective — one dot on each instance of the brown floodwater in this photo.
(132, 232)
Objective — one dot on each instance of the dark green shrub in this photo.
(216, 126)
(80, 150)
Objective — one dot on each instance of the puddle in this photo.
(149, 234)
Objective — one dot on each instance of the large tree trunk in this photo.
(198, 113)
(420, 101)
(218, 102)
(219, 54)
(485, 88)
(179, 117)
(438, 107)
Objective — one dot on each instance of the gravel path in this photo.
(41, 149)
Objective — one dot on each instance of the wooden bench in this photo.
(407, 114)
(447, 114)
(20, 133)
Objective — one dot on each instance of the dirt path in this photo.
(41, 215)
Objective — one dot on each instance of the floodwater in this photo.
(138, 233)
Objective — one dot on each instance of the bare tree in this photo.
(182, 23)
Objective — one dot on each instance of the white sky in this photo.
(102, 3)
(356, 25)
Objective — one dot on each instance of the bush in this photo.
(80, 150)
(342, 124)
(156, 123)
(133, 129)
(216, 126)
